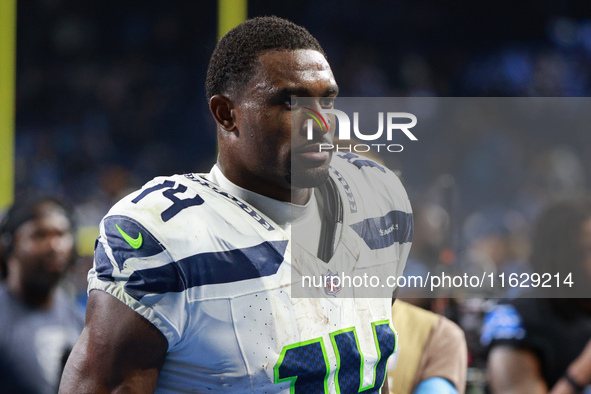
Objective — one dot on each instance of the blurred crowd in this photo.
(110, 94)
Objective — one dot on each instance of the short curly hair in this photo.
(232, 63)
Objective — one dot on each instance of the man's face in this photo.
(43, 248)
(264, 117)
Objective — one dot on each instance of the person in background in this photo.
(496, 241)
(538, 344)
(433, 353)
(39, 323)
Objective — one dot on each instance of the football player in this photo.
(191, 289)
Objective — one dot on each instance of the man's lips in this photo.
(317, 147)
(316, 153)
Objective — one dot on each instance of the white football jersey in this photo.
(217, 277)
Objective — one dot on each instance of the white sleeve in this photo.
(133, 266)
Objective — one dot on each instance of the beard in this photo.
(301, 176)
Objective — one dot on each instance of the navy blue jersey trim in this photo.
(382, 232)
(348, 192)
(121, 249)
(208, 269)
(246, 208)
(360, 162)
(102, 263)
(159, 280)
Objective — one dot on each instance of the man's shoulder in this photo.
(158, 191)
(366, 174)
(184, 213)
(143, 222)
(169, 199)
(368, 186)
(356, 164)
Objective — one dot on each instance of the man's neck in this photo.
(300, 196)
(282, 212)
(267, 188)
(302, 221)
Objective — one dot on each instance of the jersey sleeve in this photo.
(380, 208)
(133, 265)
(387, 189)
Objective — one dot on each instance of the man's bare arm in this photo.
(118, 350)
(579, 371)
(515, 371)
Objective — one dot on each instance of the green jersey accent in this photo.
(134, 242)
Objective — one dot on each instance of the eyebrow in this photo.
(292, 91)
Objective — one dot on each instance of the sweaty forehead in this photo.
(302, 69)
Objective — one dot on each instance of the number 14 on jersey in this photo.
(305, 364)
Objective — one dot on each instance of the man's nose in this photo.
(314, 121)
(59, 243)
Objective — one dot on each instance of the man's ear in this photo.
(221, 108)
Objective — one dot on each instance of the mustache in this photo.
(317, 138)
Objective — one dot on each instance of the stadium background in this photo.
(110, 94)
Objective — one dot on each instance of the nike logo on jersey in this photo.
(133, 242)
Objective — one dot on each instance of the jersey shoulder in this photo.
(177, 238)
(159, 199)
(178, 219)
(374, 182)
(360, 166)
(187, 212)
(173, 200)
